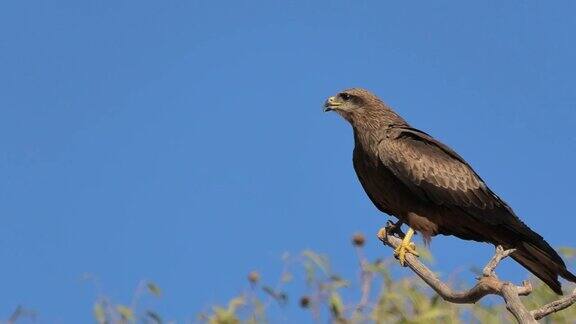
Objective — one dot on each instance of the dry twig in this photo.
(488, 284)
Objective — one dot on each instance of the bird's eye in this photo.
(345, 96)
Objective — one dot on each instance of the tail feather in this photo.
(535, 254)
(544, 263)
(532, 251)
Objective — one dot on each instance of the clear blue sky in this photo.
(184, 141)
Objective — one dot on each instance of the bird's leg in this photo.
(405, 247)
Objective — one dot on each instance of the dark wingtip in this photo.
(557, 288)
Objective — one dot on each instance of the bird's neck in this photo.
(371, 127)
(368, 140)
(375, 118)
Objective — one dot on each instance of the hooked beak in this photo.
(331, 104)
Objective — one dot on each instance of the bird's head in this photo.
(361, 107)
(352, 102)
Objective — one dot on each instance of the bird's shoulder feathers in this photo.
(433, 171)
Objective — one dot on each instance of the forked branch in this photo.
(487, 284)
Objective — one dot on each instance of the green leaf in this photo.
(125, 312)
(235, 303)
(310, 273)
(338, 282)
(270, 291)
(225, 316)
(567, 252)
(279, 296)
(336, 305)
(99, 313)
(372, 267)
(259, 311)
(154, 316)
(154, 289)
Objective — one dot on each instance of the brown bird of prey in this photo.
(426, 185)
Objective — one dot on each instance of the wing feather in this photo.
(433, 171)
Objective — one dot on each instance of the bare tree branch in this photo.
(511, 296)
(20, 312)
(488, 283)
(554, 306)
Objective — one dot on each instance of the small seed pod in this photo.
(253, 277)
(358, 240)
(305, 302)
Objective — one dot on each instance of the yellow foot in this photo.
(405, 247)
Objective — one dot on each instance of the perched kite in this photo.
(425, 184)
